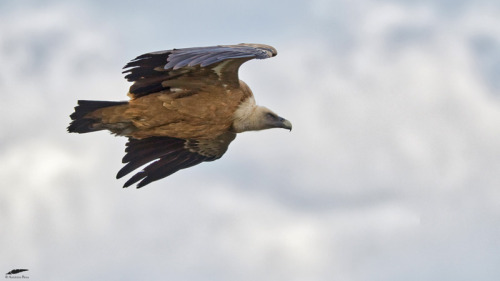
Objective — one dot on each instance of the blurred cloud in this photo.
(391, 172)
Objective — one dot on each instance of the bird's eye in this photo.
(270, 115)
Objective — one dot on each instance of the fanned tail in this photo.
(80, 123)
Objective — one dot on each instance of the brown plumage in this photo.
(185, 107)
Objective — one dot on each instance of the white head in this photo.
(251, 117)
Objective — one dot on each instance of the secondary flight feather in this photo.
(186, 106)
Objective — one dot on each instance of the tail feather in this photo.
(80, 124)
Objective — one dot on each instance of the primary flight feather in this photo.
(186, 106)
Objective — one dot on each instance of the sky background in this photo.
(392, 170)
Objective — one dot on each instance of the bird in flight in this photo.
(186, 106)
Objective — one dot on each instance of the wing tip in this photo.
(269, 50)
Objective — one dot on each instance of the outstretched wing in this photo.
(191, 67)
(167, 155)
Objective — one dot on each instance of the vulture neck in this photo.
(247, 117)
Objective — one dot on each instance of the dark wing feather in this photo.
(167, 155)
(151, 70)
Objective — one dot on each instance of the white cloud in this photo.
(391, 170)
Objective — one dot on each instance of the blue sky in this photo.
(390, 173)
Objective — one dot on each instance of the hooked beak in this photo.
(285, 124)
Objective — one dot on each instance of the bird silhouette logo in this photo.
(16, 271)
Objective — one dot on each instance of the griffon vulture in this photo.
(186, 106)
